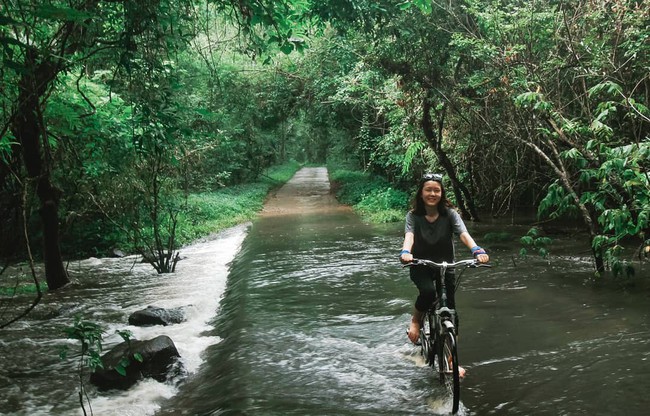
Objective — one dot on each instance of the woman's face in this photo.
(431, 193)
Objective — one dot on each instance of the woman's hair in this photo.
(418, 203)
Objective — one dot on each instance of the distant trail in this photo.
(308, 192)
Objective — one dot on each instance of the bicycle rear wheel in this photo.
(448, 368)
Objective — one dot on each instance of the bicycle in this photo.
(438, 330)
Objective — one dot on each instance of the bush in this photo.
(370, 195)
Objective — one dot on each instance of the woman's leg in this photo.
(423, 279)
(414, 327)
(450, 282)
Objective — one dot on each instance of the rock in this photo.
(154, 315)
(159, 361)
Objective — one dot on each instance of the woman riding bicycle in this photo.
(429, 231)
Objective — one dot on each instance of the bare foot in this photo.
(414, 331)
(461, 370)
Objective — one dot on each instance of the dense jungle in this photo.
(141, 126)
(123, 122)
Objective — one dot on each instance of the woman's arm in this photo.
(471, 244)
(405, 255)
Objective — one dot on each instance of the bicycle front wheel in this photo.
(427, 335)
(449, 368)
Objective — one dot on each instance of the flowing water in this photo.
(310, 319)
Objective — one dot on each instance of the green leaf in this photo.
(641, 109)
(121, 370)
(67, 14)
(527, 98)
(287, 48)
(609, 87)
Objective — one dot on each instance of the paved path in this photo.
(308, 192)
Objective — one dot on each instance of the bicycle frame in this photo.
(438, 331)
(445, 317)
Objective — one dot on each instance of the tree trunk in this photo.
(29, 130)
(463, 198)
(590, 223)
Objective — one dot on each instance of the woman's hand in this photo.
(405, 256)
(483, 258)
(480, 254)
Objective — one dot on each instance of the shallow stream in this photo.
(310, 319)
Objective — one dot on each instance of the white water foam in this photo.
(197, 286)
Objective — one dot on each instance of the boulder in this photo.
(154, 315)
(117, 253)
(159, 361)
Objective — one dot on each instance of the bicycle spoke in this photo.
(450, 373)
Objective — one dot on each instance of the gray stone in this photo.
(154, 315)
(159, 361)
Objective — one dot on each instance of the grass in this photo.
(371, 196)
(20, 289)
(205, 214)
(210, 212)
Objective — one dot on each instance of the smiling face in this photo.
(431, 193)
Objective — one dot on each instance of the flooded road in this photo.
(313, 323)
(310, 319)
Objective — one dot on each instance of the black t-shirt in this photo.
(434, 240)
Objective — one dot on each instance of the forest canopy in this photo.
(114, 113)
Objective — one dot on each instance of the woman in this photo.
(429, 232)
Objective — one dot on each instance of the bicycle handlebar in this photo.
(429, 263)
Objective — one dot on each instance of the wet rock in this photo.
(159, 361)
(154, 315)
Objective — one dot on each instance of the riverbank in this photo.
(205, 214)
(212, 212)
(371, 196)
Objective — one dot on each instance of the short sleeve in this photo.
(457, 223)
(409, 227)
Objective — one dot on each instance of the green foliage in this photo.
(352, 186)
(210, 212)
(160, 106)
(126, 335)
(497, 237)
(206, 213)
(534, 240)
(556, 203)
(383, 205)
(89, 334)
(411, 152)
(20, 289)
(371, 196)
(6, 142)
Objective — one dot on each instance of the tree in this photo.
(566, 80)
(43, 42)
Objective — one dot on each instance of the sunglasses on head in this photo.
(432, 177)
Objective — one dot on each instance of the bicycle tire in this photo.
(427, 337)
(448, 362)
